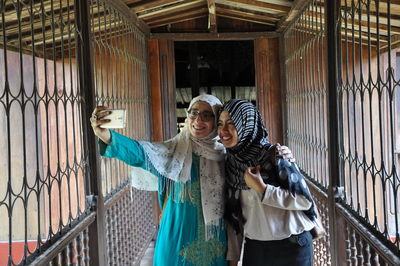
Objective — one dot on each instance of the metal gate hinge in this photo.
(92, 200)
(338, 192)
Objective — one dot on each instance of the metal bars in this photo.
(76, 252)
(306, 95)
(363, 59)
(322, 250)
(120, 77)
(120, 55)
(368, 86)
(42, 187)
(45, 168)
(128, 232)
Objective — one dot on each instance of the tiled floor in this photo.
(147, 259)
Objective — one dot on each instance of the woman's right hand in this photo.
(253, 179)
(96, 120)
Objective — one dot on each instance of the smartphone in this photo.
(117, 117)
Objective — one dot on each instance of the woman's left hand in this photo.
(253, 179)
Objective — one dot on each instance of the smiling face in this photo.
(226, 130)
(197, 127)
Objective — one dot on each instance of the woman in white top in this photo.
(267, 198)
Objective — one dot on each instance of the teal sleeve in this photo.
(123, 148)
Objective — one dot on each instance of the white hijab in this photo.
(172, 159)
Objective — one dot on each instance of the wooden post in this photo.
(155, 91)
(168, 87)
(163, 103)
(97, 251)
(331, 19)
(267, 71)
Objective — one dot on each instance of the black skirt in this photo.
(297, 250)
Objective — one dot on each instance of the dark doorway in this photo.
(222, 68)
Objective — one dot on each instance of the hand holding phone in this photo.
(117, 119)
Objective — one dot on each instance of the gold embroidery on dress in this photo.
(213, 247)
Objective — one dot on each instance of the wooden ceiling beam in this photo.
(131, 2)
(314, 18)
(249, 15)
(246, 16)
(383, 39)
(148, 5)
(290, 17)
(394, 43)
(250, 12)
(182, 19)
(175, 14)
(11, 18)
(238, 17)
(279, 2)
(171, 9)
(255, 5)
(212, 17)
(383, 6)
(184, 13)
(103, 30)
(317, 25)
(188, 15)
(129, 15)
(300, 5)
(226, 36)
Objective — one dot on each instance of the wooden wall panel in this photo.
(267, 68)
(162, 79)
(163, 103)
(155, 87)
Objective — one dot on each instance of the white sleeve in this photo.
(281, 198)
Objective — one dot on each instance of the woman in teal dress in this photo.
(187, 171)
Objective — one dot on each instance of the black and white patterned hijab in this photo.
(252, 149)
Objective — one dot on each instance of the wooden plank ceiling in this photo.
(210, 15)
(221, 16)
(378, 24)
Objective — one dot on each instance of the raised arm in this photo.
(114, 145)
(123, 148)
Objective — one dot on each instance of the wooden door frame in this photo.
(269, 89)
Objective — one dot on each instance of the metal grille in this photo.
(322, 250)
(120, 65)
(42, 188)
(75, 252)
(128, 232)
(366, 78)
(44, 163)
(120, 76)
(369, 91)
(74, 249)
(360, 246)
(305, 61)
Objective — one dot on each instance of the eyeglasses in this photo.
(205, 116)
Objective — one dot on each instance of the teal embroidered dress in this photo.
(181, 238)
